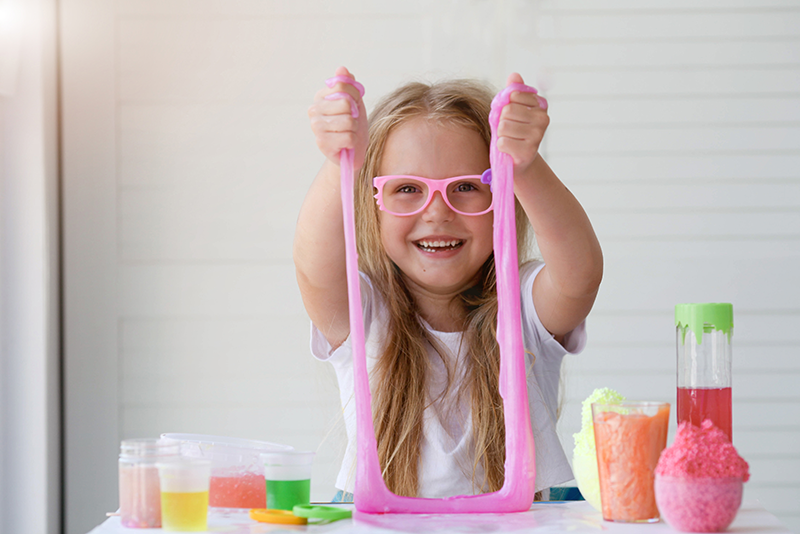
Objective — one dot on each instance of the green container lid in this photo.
(697, 317)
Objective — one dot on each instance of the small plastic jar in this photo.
(139, 488)
(698, 504)
(288, 478)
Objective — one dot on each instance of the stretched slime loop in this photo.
(371, 494)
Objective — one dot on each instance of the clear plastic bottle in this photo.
(703, 339)
(139, 488)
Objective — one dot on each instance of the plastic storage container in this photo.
(184, 494)
(237, 472)
(288, 477)
(703, 339)
(139, 489)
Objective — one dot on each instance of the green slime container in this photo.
(288, 478)
(285, 494)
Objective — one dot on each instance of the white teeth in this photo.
(439, 244)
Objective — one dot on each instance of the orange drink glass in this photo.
(629, 437)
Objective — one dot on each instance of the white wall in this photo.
(677, 127)
(187, 153)
(30, 437)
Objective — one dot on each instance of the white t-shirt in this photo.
(446, 460)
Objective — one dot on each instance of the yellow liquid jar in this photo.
(186, 512)
(184, 494)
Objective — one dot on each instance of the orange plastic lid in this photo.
(282, 517)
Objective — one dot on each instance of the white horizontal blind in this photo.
(675, 124)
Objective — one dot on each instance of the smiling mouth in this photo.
(439, 246)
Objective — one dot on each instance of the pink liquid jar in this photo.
(139, 488)
(703, 333)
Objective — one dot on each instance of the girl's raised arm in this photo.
(564, 292)
(319, 254)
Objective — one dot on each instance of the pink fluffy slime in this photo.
(699, 480)
(702, 452)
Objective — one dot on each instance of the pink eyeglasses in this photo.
(405, 195)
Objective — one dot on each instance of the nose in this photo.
(437, 210)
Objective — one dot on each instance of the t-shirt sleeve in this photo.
(574, 342)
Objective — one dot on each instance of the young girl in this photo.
(428, 281)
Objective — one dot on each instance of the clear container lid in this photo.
(148, 448)
(288, 465)
(222, 450)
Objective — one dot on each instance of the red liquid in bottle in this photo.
(696, 405)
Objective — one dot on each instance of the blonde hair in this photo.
(399, 377)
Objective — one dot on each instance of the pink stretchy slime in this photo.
(371, 493)
(699, 479)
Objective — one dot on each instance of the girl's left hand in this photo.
(523, 122)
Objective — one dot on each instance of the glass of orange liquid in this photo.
(184, 494)
(629, 437)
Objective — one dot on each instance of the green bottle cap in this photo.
(697, 317)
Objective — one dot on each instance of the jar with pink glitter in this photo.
(139, 488)
(699, 480)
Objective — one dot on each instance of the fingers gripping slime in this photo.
(371, 493)
(584, 458)
(330, 82)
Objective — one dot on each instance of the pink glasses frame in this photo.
(433, 186)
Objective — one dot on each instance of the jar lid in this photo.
(696, 317)
(148, 447)
(223, 450)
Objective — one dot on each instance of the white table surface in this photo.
(569, 516)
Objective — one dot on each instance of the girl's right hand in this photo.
(334, 126)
